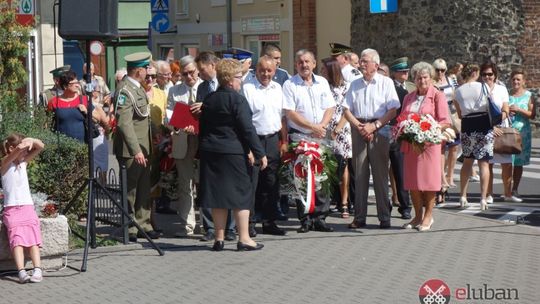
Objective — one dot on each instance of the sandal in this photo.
(441, 196)
(345, 212)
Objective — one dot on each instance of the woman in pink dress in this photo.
(423, 170)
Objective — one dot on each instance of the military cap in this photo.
(138, 60)
(400, 64)
(338, 49)
(61, 70)
(238, 54)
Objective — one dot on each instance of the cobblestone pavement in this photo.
(364, 266)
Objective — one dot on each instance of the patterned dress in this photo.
(523, 125)
(342, 144)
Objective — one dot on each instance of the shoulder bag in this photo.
(495, 114)
(509, 142)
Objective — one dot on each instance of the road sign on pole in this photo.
(159, 5)
(382, 6)
(160, 22)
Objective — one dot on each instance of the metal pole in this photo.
(229, 24)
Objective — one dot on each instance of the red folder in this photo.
(182, 117)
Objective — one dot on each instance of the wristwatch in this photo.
(378, 124)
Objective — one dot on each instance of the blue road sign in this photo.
(160, 22)
(382, 6)
(159, 5)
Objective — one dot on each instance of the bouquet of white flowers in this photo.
(418, 129)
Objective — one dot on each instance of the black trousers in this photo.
(396, 163)
(265, 183)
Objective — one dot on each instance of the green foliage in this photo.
(61, 167)
(13, 75)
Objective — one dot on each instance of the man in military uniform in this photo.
(132, 140)
(343, 53)
(56, 90)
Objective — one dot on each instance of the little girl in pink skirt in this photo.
(20, 217)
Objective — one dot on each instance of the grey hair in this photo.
(160, 65)
(186, 60)
(439, 63)
(373, 54)
(303, 52)
(422, 67)
(120, 73)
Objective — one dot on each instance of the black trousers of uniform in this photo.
(396, 162)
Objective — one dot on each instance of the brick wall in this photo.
(304, 25)
(529, 42)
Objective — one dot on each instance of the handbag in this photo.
(509, 142)
(95, 129)
(495, 114)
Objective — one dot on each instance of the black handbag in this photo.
(95, 127)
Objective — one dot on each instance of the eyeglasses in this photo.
(185, 74)
(440, 70)
(487, 74)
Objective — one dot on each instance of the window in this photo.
(182, 8)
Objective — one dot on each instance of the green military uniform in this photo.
(402, 64)
(132, 136)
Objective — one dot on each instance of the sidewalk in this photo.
(364, 266)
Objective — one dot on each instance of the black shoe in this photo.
(282, 217)
(273, 229)
(230, 236)
(357, 224)
(304, 228)
(321, 225)
(208, 236)
(132, 237)
(244, 247)
(406, 215)
(218, 246)
(252, 231)
(384, 225)
(151, 234)
(166, 210)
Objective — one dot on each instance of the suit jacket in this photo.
(281, 76)
(133, 121)
(226, 125)
(203, 90)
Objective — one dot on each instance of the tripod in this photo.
(93, 183)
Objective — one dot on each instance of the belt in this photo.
(363, 120)
(268, 136)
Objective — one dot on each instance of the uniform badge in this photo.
(122, 100)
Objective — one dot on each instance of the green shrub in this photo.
(61, 168)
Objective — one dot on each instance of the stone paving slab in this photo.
(363, 266)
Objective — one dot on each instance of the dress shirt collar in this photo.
(300, 81)
(135, 82)
(258, 84)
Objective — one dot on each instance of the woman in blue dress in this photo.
(521, 111)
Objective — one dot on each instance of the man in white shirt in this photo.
(370, 104)
(342, 53)
(309, 105)
(265, 100)
(184, 145)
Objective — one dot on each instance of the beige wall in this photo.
(333, 24)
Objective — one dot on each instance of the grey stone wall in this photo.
(456, 30)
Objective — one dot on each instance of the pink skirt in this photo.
(22, 226)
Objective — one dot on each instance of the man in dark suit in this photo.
(206, 63)
(399, 71)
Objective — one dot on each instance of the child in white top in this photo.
(20, 217)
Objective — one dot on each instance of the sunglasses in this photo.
(487, 74)
(185, 74)
(440, 70)
(149, 76)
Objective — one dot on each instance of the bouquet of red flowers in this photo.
(417, 129)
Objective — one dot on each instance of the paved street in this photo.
(465, 249)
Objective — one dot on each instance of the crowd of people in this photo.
(227, 164)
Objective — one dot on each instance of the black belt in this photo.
(362, 120)
(268, 136)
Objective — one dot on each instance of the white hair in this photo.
(120, 73)
(160, 65)
(422, 67)
(186, 60)
(439, 63)
(373, 54)
(303, 52)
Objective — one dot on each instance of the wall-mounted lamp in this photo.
(197, 18)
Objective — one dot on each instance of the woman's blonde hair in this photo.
(226, 69)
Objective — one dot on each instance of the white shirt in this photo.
(309, 101)
(181, 93)
(350, 73)
(371, 100)
(499, 94)
(470, 98)
(266, 104)
(15, 186)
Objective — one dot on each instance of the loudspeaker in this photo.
(88, 19)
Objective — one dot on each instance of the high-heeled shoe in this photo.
(218, 246)
(245, 247)
(463, 202)
(483, 205)
(425, 228)
(409, 226)
(441, 196)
